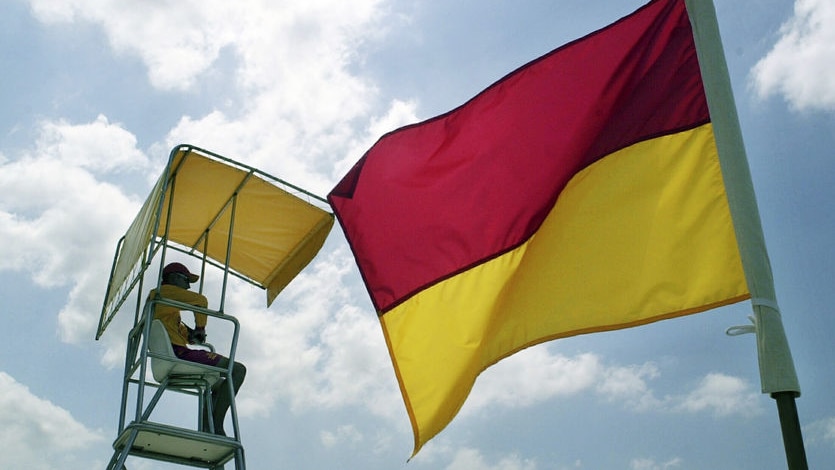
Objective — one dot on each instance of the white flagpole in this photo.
(777, 373)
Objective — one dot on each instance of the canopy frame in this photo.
(150, 235)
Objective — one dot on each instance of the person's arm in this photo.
(188, 297)
(198, 334)
(198, 300)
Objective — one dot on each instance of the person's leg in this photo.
(202, 356)
(221, 399)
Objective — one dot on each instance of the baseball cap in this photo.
(180, 268)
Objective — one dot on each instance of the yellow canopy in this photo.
(276, 230)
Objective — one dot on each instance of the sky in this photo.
(95, 94)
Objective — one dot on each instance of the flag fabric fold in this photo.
(580, 193)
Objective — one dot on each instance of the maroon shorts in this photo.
(196, 355)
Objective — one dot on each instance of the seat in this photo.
(165, 364)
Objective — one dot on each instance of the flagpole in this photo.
(790, 424)
(777, 372)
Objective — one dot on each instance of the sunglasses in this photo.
(182, 276)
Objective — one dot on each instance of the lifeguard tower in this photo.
(232, 220)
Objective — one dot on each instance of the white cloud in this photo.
(472, 459)
(651, 464)
(532, 376)
(99, 146)
(61, 220)
(723, 395)
(801, 64)
(821, 432)
(345, 433)
(301, 103)
(36, 434)
(628, 385)
(176, 40)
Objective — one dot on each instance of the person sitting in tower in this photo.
(176, 281)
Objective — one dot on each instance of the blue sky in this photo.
(95, 95)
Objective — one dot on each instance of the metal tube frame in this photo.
(137, 354)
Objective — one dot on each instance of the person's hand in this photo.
(197, 335)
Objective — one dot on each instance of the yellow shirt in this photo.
(170, 316)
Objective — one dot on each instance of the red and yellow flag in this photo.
(580, 193)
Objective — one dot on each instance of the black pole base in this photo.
(790, 425)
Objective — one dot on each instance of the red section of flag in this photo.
(432, 199)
